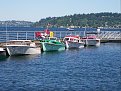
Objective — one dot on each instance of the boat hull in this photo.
(92, 42)
(74, 44)
(52, 47)
(21, 50)
(2, 52)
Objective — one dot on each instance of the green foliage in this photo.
(82, 20)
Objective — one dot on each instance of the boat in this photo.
(52, 44)
(91, 38)
(70, 29)
(2, 51)
(91, 41)
(73, 41)
(21, 47)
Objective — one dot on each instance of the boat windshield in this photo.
(52, 38)
(66, 39)
(20, 42)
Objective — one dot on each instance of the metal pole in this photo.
(120, 12)
(26, 35)
(6, 33)
(85, 31)
(60, 35)
(17, 35)
(34, 35)
(120, 6)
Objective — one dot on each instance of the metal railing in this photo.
(30, 35)
(110, 35)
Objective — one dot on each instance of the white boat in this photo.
(91, 41)
(2, 51)
(70, 29)
(73, 41)
(20, 47)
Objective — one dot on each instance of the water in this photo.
(86, 69)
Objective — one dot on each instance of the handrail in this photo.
(30, 35)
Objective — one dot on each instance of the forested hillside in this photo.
(81, 20)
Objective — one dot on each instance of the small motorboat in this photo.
(2, 51)
(91, 41)
(73, 41)
(20, 47)
(52, 44)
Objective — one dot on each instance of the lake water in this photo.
(86, 69)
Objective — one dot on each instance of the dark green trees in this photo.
(82, 20)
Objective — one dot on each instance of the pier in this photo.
(105, 36)
(110, 36)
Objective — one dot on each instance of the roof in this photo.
(72, 36)
(20, 40)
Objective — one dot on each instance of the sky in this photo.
(34, 10)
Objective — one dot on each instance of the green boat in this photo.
(52, 44)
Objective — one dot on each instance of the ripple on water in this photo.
(87, 69)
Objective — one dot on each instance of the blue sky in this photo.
(34, 10)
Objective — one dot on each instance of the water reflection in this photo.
(21, 57)
(52, 52)
(3, 58)
(87, 69)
